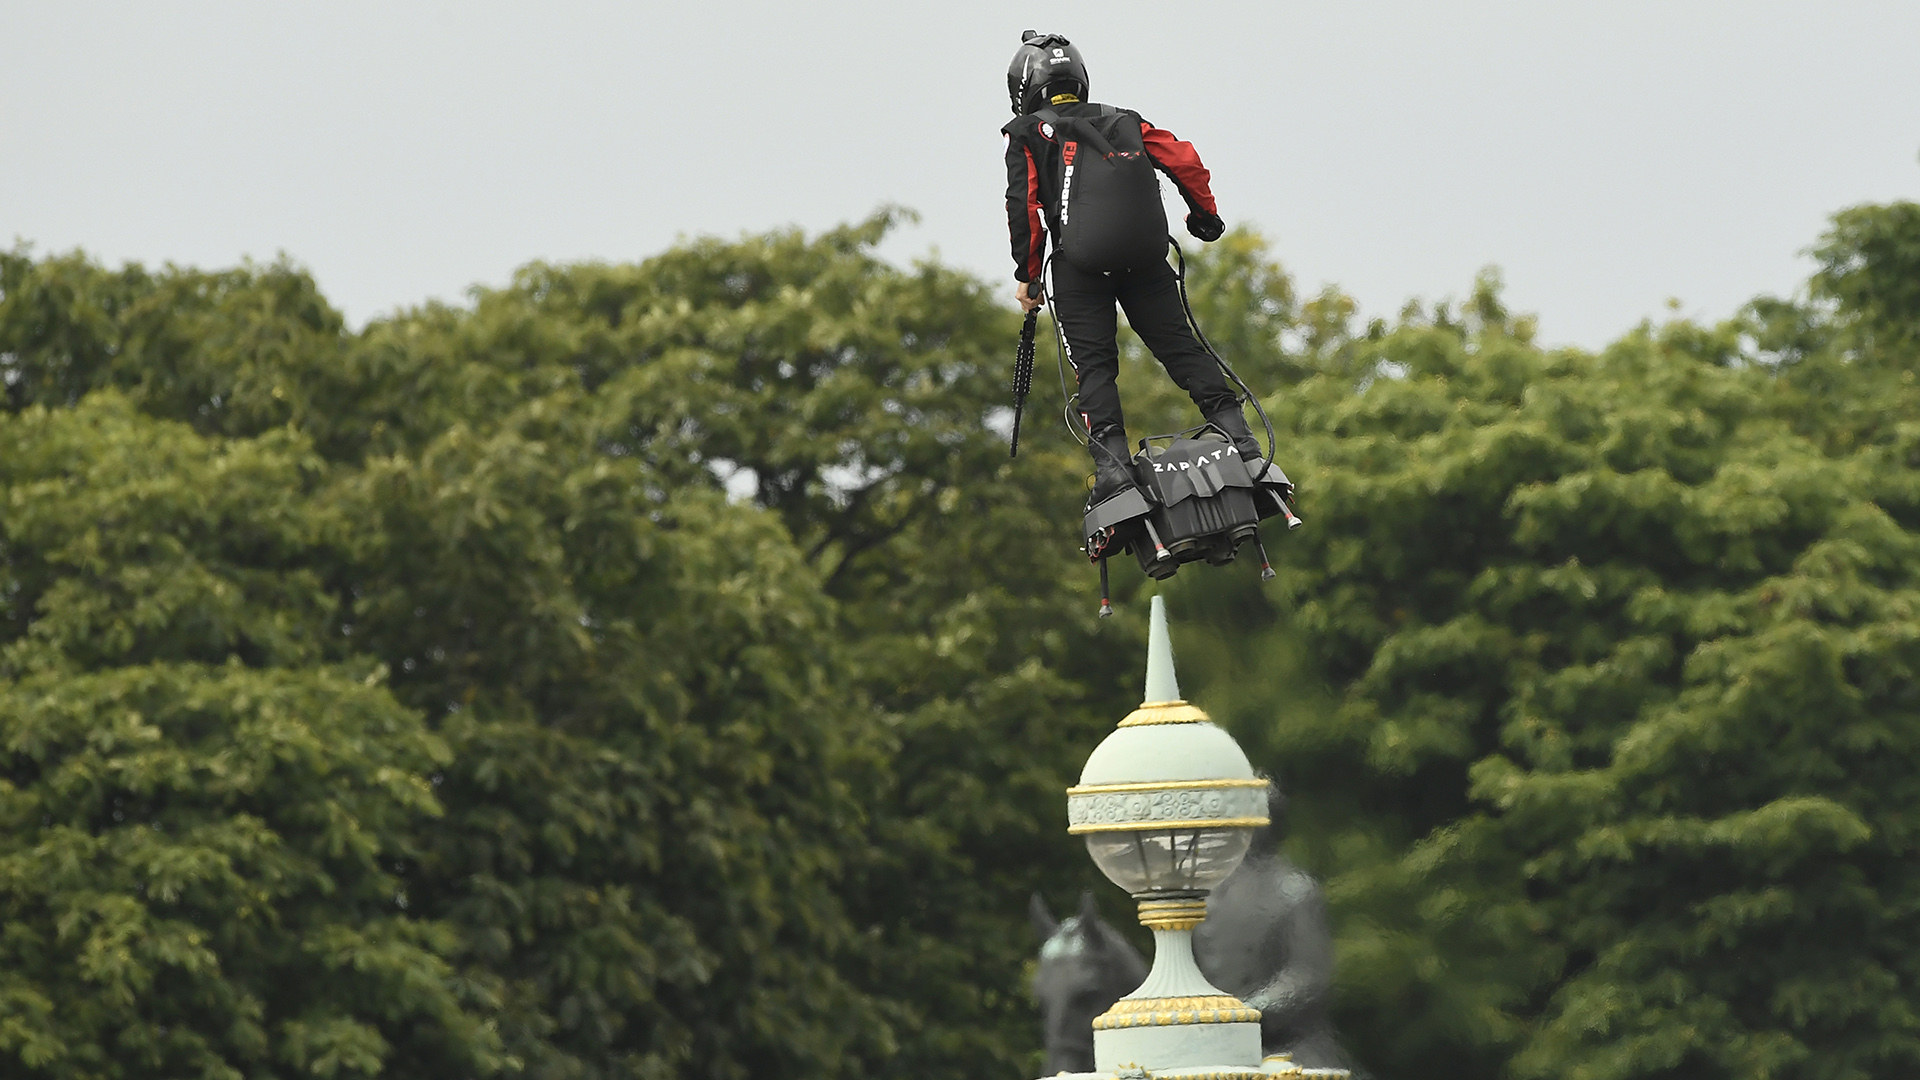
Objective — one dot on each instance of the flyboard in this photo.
(1194, 496)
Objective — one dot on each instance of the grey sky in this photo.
(1606, 155)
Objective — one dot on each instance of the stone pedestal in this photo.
(1177, 1021)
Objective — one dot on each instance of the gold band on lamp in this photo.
(1164, 785)
(1165, 712)
(1172, 914)
(1165, 1012)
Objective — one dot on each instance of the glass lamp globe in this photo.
(1174, 862)
(1167, 804)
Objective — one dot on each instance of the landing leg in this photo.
(1159, 549)
(1287, 512)
(1266, 565)
(1106, 606)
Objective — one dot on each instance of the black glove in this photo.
(1205, 226)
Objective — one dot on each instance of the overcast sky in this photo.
(1607, 155)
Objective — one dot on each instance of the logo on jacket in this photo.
(1066, 184)
(1046, 131)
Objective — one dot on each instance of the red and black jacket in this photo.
(1034, 170)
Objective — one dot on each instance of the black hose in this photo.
(1187, 306)
(1067, 397)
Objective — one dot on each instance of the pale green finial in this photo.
(1161, 684)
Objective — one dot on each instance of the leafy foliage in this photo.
(204, 821)
(660, 670)
(1609, 751)
(723, 786)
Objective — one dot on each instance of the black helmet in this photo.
(1043, 63)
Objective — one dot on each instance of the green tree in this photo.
(1870, 273)
(732, 786)
(854, 401)
(203, 820)
(642, 772)
(1591, 680)
(660, 670)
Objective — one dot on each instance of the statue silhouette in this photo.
(1085, 966)
(1266, 942)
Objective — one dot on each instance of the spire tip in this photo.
(1162, 685)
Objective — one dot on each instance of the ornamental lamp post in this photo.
(1168, 804)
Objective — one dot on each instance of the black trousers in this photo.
(1084, 304)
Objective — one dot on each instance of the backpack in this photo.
(1111, 218)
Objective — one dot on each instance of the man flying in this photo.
(1084, 174)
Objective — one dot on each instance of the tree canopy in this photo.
(1609, 737)
(660, 670)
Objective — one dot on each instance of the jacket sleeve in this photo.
(1024, 223)
(1181, 162)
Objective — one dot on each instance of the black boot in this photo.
(1111, 472)
(1234, 422)
(1252, 454)
(1274, 488)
